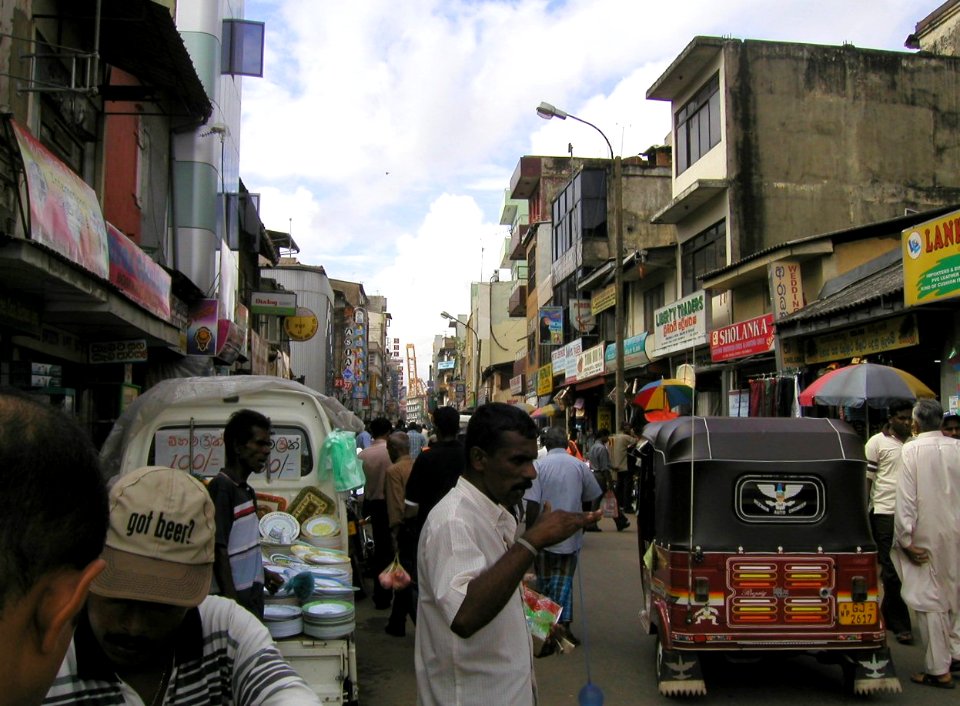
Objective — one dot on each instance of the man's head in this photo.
(52, 529)
(398, 445)
(159, 558)
(927, 415)
(950, 426)
(380, 427)
(554, 438)
(603, 435)
(246, 442)
(501, 445)
(446, 420)
(901, 418)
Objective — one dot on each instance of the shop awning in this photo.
(74, 302)
(140, 37)
(587, 384)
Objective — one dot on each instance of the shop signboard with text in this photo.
(558, 360)
(603, 300)
(681, 324)
(867, 339)
(545, 379)
(743, 338)
(786, 288)
(551, 325)
(590, 362)
(931, 260)
(573, 351)
(634, 352)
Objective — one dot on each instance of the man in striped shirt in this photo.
(238, 565)
(150, 634)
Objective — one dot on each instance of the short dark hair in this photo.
(603, 434)
(55, 511)
(554, 438)
(928, 414)
(380, 426)
(239, 430)
(447, 421)
(898, 406)
(490, 421)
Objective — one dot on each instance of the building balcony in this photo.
(517, 305)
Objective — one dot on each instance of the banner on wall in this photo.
(65, 215)
(681, 324)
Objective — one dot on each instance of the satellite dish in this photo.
(687, 373)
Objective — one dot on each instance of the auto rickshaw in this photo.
(754, 538)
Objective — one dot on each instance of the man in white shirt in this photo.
(884, 453)
(472, 645)
(927, 538)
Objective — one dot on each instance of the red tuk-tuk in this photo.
(759, 542)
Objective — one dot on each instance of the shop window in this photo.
(242, 48)
(703, 253)
(697, 125)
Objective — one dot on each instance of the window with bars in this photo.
(703, 253)
(697, 125)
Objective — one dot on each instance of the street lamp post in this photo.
(547, 111)
(476, 360)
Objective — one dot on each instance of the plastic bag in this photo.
(609, 506)
(338, 456)
(394, 576)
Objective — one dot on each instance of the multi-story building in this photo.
(129, 245)
(775, 141)
(570, 265)
(350, 329)
(446, 365)
(501, 341)
(377, 354)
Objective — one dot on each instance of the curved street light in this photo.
(548, 111)
(476, 360)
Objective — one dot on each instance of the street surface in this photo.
(622, 659)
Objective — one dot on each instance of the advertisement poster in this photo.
(681, 324)
(202, 328)
(64, 211)
(931, 260)
(551, 325)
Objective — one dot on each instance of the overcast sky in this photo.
(384, 133)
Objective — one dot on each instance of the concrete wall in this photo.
(827, 137)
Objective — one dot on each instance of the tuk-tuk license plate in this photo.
(858, 613)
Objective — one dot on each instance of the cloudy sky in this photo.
(384, 133)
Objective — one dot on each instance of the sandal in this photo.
(931, 680)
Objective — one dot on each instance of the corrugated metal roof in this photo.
(880, 284)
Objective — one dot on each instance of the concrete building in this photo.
(378, 354)
(777, 141)
(311, 332)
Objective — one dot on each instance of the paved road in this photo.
(621, 658)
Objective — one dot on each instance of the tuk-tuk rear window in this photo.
(779, 499)
(290, 455)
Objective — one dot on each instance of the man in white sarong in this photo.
(927, 542)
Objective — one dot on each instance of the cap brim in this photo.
(138, 578)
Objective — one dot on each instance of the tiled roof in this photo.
(879, 285)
